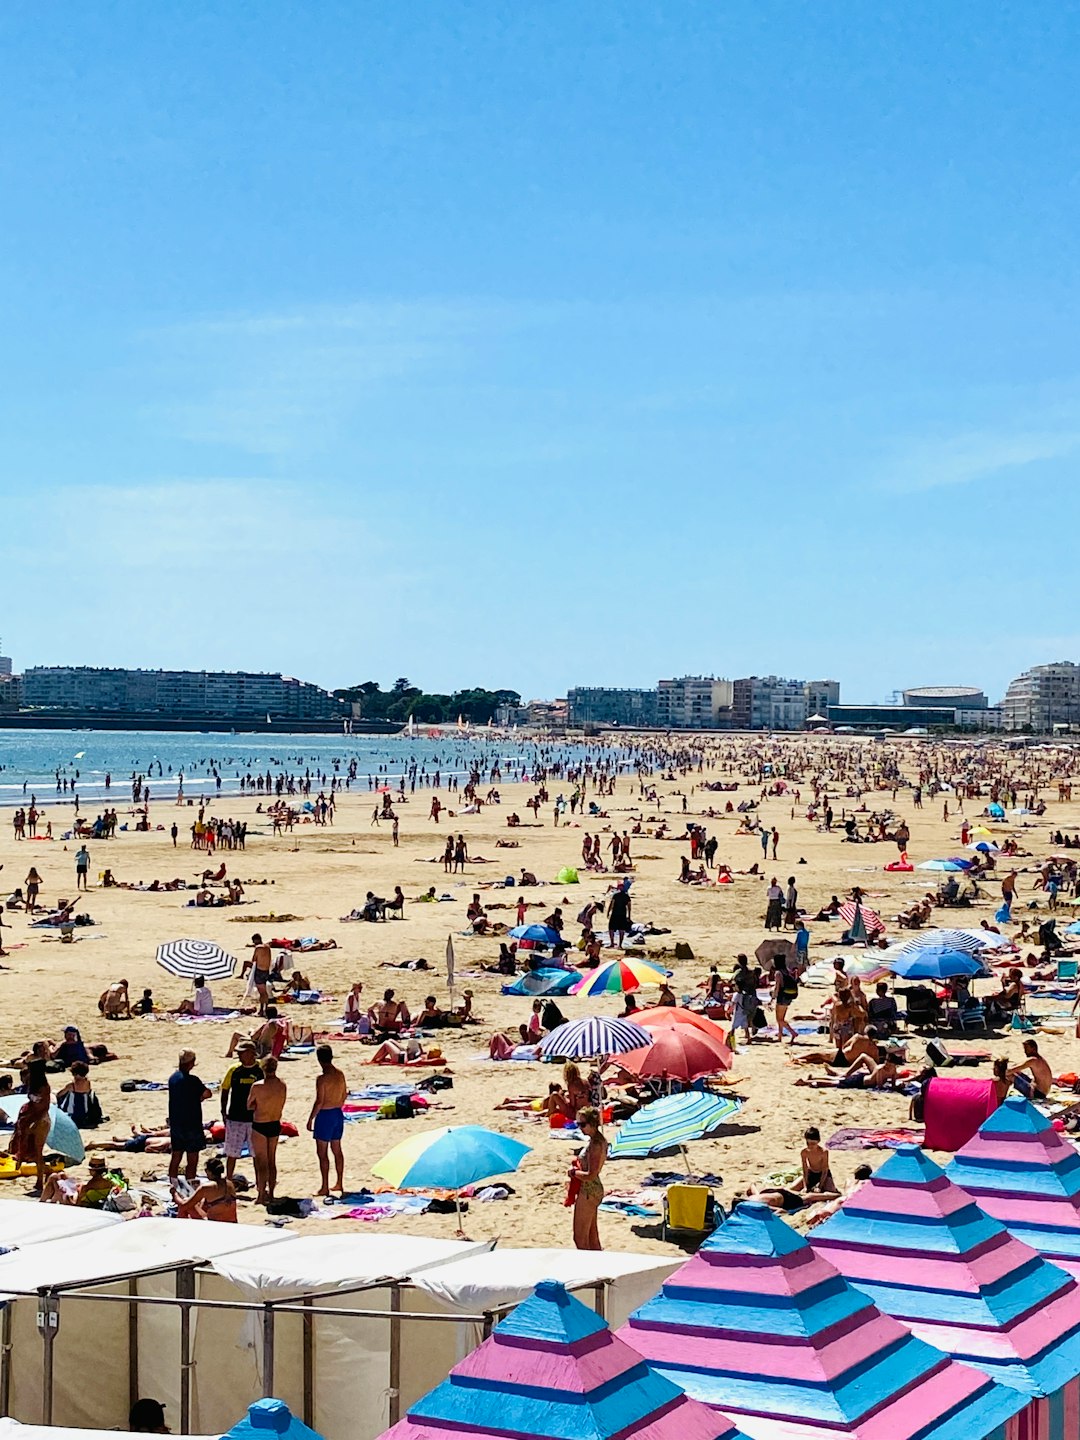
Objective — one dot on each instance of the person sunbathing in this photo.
(390, 1052)
(866, 1073)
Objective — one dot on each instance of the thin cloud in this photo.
(962, 459)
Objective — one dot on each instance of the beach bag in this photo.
(1002, 916)
(403, 1107)
(436, 1082)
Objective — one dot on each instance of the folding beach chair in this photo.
(1067, 969)
(690, 1210)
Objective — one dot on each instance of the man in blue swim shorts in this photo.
(327, 1119)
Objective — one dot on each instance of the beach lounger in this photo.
(690, 1210)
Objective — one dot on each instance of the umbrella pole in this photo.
(457, 1202)
(686, 1162)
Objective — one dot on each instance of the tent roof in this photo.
(553, 1369)
(133, 1248)
(23, 1222)
(313, 1263)
(506, 1276)
(1025, 1174)
(13, 1430)
(924, 1252)
(759, 1326)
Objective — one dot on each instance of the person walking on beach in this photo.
(82, 867)
(266, 1101)
(235, 1112)
(785, 991)
(327, 1119)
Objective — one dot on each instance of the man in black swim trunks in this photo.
(266, 1101)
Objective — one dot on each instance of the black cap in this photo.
(147, 1417)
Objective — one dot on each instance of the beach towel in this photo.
(955, 1109)
(861, 1137)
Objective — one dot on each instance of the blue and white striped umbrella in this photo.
(965, 940)
(595, 1035)
(672, 1122)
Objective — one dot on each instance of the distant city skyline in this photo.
(539, 343)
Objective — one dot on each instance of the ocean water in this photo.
(29, 760)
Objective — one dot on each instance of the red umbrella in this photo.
(870, 918)
(678, 1052)
(657, 1017)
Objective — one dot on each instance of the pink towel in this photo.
(954, 1111)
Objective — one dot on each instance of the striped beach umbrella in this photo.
(859, 917)
(672, 1123)
(190, 958)
(1025, 1174)
(924, 1252)
(759, 1327)
(970, 940)
(553, 1370)
(620, 975)
(935, 962)
(596, 1035)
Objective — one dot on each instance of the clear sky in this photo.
(541, 343)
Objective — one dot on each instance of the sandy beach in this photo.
(318, 874)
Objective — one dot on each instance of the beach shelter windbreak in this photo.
(924, 1252)
(1026, 1174)
(765, 1330)
(552, 1370)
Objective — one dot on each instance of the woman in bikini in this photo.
(214, 1201)
(586, 1170)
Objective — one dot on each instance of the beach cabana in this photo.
(553, 1369)
(764, 1329)
(924, 1252)
(1026, 1174)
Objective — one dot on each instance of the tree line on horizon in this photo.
(405, 701)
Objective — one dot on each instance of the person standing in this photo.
(785, 991)
(235, 1089)
(589, 1188)
(82, 867)
(394, 832)
(618, 915)
(262, 965)
(174, 832)
(327, 1119)
(186, 1134)
(266, 1101)
(774, 906)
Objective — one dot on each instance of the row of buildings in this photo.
(704, 702)
(1042, 699)
(234, 695)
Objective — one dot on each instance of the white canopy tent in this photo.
(346, 1371)
(15, 1430)
(348, 1329)
(22, 1224)
(56, 1341)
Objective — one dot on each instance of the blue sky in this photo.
(540, 344)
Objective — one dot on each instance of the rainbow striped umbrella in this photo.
(620, 975)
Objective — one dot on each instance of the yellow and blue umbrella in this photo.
(620, 975)
(448, 1158)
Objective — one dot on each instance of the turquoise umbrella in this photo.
(64, 1135)
(671, 1123)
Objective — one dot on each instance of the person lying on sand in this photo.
(867, 1073)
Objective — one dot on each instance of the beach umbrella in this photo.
(671, 1123)
(63, 1136)
(967, 940)
(1026, 1174)
(270, 1419)
(921, 1249)
(537, 934)
(757, 1325)
(664, 1017)
(854, 912)
(982, 830)
(679, 1052)
(768, 950)
(448, 1158)
(984, 847)
(620, 975)
(935, 963)
(596, 1035)
(949, 866)
(190, 958)
(553, 1369)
